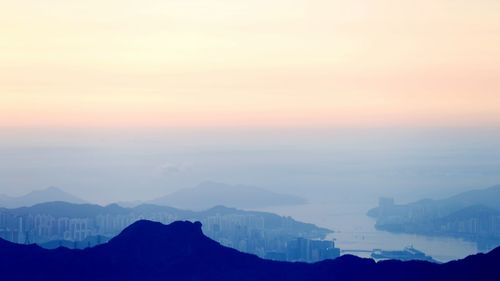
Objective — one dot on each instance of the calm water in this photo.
(355, 231)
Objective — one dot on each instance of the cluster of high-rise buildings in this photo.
(308, 250)
(247, 232)
(468, 218)
(41, 228)
(483, 226)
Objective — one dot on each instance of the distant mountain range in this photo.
(489, 197)
(201, 197)
(180, 251)
(473, 215)
(210, 194)
(49, 194)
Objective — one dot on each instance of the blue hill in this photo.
(180, 251)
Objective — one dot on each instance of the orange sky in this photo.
(255, 63)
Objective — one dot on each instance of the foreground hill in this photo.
(180, 251)
(57, 223)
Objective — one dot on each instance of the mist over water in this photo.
(354, 232)
(343, 165)
(340, 172)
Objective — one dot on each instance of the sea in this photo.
(354, 232)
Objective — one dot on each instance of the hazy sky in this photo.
(260, 63)
(122, 100)
(329, 165)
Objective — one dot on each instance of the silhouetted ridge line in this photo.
(154, 235)
(148, 251)
(80, 226)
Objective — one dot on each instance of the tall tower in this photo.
(20, 231)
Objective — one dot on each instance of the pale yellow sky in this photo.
(254, 63)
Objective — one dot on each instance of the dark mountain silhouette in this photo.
(210, 194)
(59, 223)
(180, 251)
(49, 194)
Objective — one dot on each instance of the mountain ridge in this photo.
(48, 194)
(209, 194)
(473, 215)
(257, 232)
(180, 251)
(488, 197)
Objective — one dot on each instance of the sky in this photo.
(231, 63)
(123, 100)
